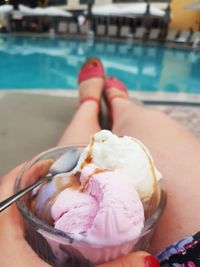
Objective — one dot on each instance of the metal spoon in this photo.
(65, 163)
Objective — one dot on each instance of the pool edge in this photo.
(146, 97)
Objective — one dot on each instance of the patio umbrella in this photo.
(167, 16)
(39, 11)
(56, 12)
(126, 10)
(147, 19)
(6, 9)
(164, 23)
(141, 8)
(106, 10)
(28, 11)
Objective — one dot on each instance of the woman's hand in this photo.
(15, 251)
(135, 259)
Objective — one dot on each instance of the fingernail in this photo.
(151, 261)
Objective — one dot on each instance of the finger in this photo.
(7, 182)
(14, 249)
(40, 169)
(9, 216)
(10, 220)
(37, 171)
(136, 259)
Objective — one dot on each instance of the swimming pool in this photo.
(53, 63)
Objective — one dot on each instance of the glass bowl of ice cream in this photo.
(108, 204)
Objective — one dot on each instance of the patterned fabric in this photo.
(184, 253)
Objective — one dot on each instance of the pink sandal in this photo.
(92, 68)
(112, 82)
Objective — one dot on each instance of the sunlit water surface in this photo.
(53, 63)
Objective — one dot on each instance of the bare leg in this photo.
(85, 120)
(176, 153)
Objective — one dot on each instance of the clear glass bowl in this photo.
(59, 248)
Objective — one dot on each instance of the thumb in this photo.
(136, 259)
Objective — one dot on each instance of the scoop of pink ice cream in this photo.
(108, 213)
(74, 212)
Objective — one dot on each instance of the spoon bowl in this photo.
(63, 164)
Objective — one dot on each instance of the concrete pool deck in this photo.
(34, 121)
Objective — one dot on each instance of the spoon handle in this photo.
(10, 200)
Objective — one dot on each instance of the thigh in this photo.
(176, 153)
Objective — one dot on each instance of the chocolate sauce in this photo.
(89, 158)
(45, 213)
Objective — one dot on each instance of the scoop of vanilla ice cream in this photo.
(126, 155)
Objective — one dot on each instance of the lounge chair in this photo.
(139, 34)
(154, 34)
(73, 28)
(112, 30)
(125, 32)
(101, 29)
(183, 37)
(171, 36)
(195, 39)
(84, 29)
(62, 27)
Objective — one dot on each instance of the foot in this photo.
(114, 88)
(91, 81)
(91, 89)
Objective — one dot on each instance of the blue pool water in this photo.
(53, 63)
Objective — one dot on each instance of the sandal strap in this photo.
(89, 98)
(116, 96)
(114, 82)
